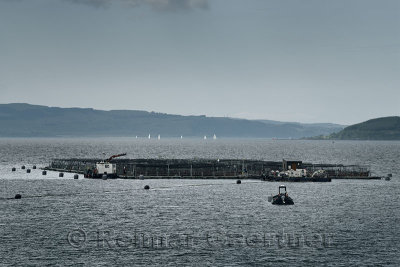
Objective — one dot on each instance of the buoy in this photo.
(17, 196)
(28, 170)
(34, 167)
(44, 172)
(238, 182)
(104, 177)
(23, 167)
(76, 176)
(61, 174)
(13, 169)
(146, 187)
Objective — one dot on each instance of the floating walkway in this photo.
(213, 169)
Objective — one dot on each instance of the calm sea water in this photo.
(62, 221)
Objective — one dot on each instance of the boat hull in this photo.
(282, 200)
(295, 179)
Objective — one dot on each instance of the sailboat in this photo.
(159, 137)
(149, 136)
(215, 137)
(205, 137)
(181, 136)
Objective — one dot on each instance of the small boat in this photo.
(104, 169)
(282, 197)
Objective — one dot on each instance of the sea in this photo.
(66, 222)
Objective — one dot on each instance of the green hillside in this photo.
(386, 128)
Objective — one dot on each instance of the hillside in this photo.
(306, 129)
(386, 128)
(25, 120)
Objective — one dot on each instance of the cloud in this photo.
(170, 5)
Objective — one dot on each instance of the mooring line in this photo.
(122, 191)
(189, 185)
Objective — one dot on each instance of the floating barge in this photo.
(211, 169)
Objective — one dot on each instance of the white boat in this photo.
(104, 169)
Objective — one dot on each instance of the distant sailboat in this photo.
(181, 137)
(215, 137)
(205, 137)
(136, 136)
(149, 136)
(159, 137)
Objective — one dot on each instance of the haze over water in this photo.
(198, 222)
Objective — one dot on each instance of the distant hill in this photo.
(25, 120)
(306, 129)
(386, 128)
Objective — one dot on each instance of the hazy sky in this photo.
(291, 60)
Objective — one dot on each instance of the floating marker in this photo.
(34, 167)
(13, 169)
(28, 170)
(238, 182)
(23, 167)
(17, 196)
(61, 174)
(76, 176)
(44, 172)
(146, 187)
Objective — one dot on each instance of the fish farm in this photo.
(290, 171)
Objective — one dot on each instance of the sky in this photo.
(288, 60)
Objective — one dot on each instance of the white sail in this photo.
(159, 137)
(149, 136)
(181, 136)
(205, 137)
(214, 137)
